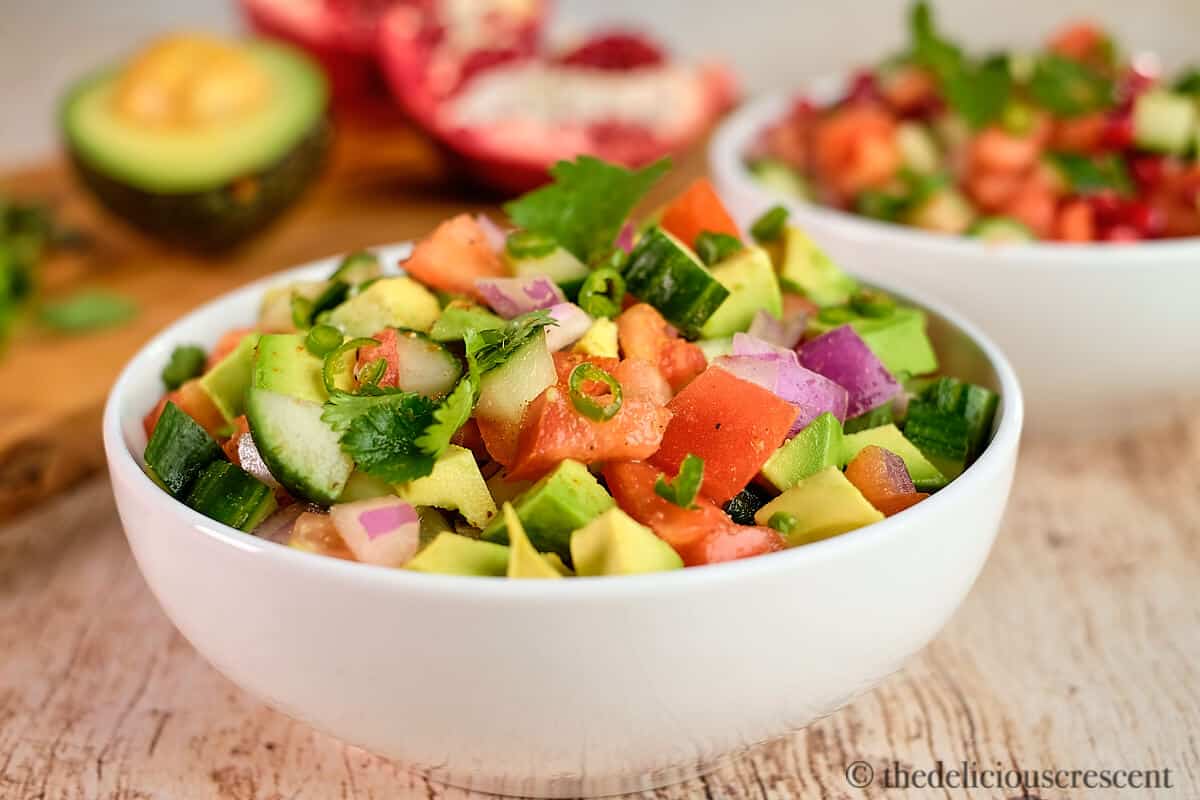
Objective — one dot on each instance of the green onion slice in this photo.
(872, 303)
(335, 360)
(683, 489)
(783, 521)
(602, 292)
(187, 361)
(769, 226)
(302, 311)
(836, 315)
(716, 247)
(583, 402)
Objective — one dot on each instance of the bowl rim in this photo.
(736, 132)
(123, 465)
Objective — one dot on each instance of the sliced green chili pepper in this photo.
(769, 226)
(836, 315)
(783, 521)
(322, 340)
(302, 311)
(872, 303)
(529, 244)
(716, 247)
(333, 361)
(602, 292)
(583, 402)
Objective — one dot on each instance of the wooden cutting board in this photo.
(385, 183)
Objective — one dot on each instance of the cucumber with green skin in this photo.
(229, 494)
(559, 266)
(299, 449)
(179, 450)
(425, 367)
(663, 272)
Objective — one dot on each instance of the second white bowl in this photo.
(1104, 337)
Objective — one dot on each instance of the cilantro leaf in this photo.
(488, 349)
(978, 92)
(88, 310)
(1068, 88)
(683, 490)
(450, 415)
(1085, 175)
(380, 431)
(586, 205)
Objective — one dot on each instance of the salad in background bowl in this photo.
(360, 388)
(1050, 195)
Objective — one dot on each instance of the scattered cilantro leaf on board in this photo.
(88, 310)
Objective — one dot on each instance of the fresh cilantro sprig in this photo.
(379, 430)
(489, 349)
(683, 490)
(1069, 88)
(450, 415)
(979, 92)
(586, 205)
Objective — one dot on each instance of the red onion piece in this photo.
(573, 323)
(842, 356)
(512, 297)
(252, 461)
(383, 530)
(784, 333)
(496, 235)
(626, 236)
(278, 526)
(780, 373)
(745, 344)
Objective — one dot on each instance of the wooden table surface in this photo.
(1077, 649)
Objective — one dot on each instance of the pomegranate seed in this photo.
(616, 51)
(1148, 171)
(1118, 131)
(1121, 233)
(1107, 208)
(1147, 220)
(863, 86)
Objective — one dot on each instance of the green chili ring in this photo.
(583, 403)
(330, 369)
(602, 292)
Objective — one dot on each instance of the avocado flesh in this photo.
(389, 302)
(817, 446)
(453, 554)
(805, 268)
(207, 188)
(750, 279)
(614, 544)
(455, 485)
(226, 383)
(824, 504)
(524, 561)
(284, 365)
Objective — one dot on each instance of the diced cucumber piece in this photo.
(940, 436)
(179, 450)
(425, 366)
(299, 449)
(1164, 121)
(506, 390)
(230, 495)
(665, 273)
(951, 421)
(461, 316)
(560, 266)
(1000, 229)
(358, 267)
(882, 415)
(779, 177)
(361, 486)
(715, 348)
(561, 502)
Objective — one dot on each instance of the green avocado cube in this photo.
(615, 544)
(524, 561)
(226, 383)
(453, 554)
(925, 475)
(750, 279)
(899, 341)
(561, 502)
(805, 268)
(816, 446)
(285, 366)
(388, 302)
(824, 504)
(455, 485)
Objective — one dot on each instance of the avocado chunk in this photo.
(284, 365)
(204, 176)
(459, 317)
(524, 561)
(455, 485)
(600, 339)
(805, 268)
(824, 504)
(614, 544)
(452, 554)
(750, 279)
(926, 477)
(361, 486)
(561, 502)
(275, 310)
(226, 383)
(389, 302)
(899, 341)
(817, 446)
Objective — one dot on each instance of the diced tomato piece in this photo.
(856, 148)
(1078, 40)
(642, 379)
(240, 428)
(701, 535)
(553, 430)
(1075, 222)
(386, 349)
(696, 210)
(453, 256)
(500, 439)
(315, 533)
(732, 424)
(883, 479)
(193, 401)
(643, 333)
(226, 345)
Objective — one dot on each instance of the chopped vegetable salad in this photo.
(578, 396)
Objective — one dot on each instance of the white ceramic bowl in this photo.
(585, 686)
(1103, 336)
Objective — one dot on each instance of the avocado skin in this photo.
(216, 219)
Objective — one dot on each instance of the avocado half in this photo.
(210, 188)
